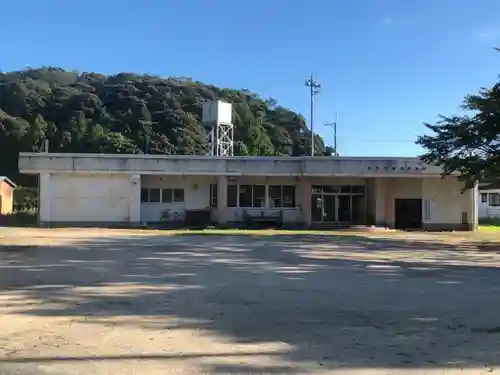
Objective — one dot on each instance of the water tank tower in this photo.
(218, 124)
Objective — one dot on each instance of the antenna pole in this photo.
(314, 88)
(334, 125)
(335, 132)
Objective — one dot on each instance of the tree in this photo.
(468, 144)
(130, 113)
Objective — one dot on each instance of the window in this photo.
(178, 195)
(484, 197)
(172, 195)
(150, 195)
(144, 195)
(245, 195)
(275, 195)
(288, 196)
(213, 195)
(154, 195)
(259, 196)
(282, 196)
(358, 189)
(494, 199)
(166, 196)
(232, 195)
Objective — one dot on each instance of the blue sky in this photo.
(386, 66)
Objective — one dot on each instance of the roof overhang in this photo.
(37, 163)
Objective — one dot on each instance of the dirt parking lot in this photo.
(144, 302)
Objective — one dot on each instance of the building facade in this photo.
(6, 195)
(400, 193)
(488, 201)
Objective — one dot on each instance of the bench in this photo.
(263, 218)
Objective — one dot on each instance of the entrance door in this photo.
(408, 213)
(344, 208)
(329, 209)
(317, 208)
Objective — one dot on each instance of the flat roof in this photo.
(205, 157)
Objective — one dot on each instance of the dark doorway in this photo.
(408, 213)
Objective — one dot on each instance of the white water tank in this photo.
(217, 112)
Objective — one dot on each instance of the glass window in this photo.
(213, 195)
(178, 195)
(154, 195)
(345, 189)
(166, 196)
(144, 195)
(275, 195)
(245, 195)
(494, 199)
(330, 189)
(484, 197)
(358, 189)
(259, 195)
(289, 196)
(232, 196)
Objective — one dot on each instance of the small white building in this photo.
(303, 191)
(488, 201)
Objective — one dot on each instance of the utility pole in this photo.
(314, 88)
(334, 125)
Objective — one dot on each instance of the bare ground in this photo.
(143, 302)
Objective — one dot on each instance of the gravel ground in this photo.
(141, 302)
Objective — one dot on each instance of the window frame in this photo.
(494, 199)
(178, 195)
(484, 197)
(284, 203)
(167, 193)
(156, 190)
(259, 192)
(232, 201)
(213, 199)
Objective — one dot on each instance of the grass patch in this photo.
(489, 228)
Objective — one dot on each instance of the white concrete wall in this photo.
(445, 201)
(116, 197)
(86, 198)
(196, 194)
(484, 208)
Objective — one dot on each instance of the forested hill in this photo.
(130, 113)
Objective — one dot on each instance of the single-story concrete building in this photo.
(303, 191)
(6, 195)
(488, 200)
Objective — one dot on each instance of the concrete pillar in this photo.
(371, 201)
(135, 199)
(304, 200)
(44, 199)
(388, 185)
(267, 203)
(474, 216)
(221, 199)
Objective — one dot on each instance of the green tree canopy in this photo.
(130, 113)
(468, 144)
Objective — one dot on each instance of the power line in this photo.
(314, 88)
(385, 141)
